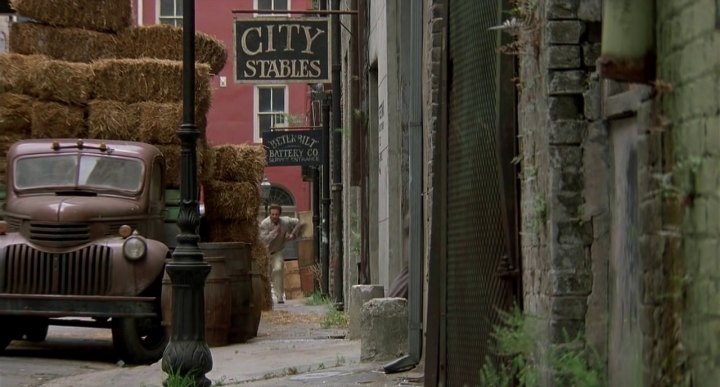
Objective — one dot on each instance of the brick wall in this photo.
(688, 60)
(563, 152)
(433, 49)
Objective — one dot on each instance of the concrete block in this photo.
(590, 10)
(384, 326)
(359, 295)
(591, 53)
(562, 9)
(564, 32)
(567, 131)
(565, 108)
(564, 57)
(566, 82)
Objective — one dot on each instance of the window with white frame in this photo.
(270, 108)
(277, 5)
(170, 12)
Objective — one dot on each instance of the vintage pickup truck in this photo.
(84, 242)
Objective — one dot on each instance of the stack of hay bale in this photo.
(81, 70)
(232, 201)
(91, 74)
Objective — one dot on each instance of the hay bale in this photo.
(60, 81)
(68, 44)
(6, 140)
(56, 120)
(159, 122)
(113, 120)
(141, 80)
(231, 201)
(98, 15)
(239, 162)
(15, 114)
(233, 230)
(172, 163)
(261, 258)
(162, 41)
(13, 72)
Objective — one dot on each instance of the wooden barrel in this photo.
(257, 301)
(293, 289)
(306, 263)
(238, 263)
(217, 302)
(307, 280)
(306, 252)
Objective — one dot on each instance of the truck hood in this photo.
(72, 209)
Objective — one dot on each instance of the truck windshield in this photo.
(79, 171)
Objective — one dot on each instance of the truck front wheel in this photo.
(5, 340)
(139, 340)
(36, 330)
(8, 332)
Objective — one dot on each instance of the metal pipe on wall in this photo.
(325, 237)
(317, 231)
(415, 129)
(337, 186)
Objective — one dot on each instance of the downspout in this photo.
(318, 191)
(415, 262)
(325, 237)
(337, 186)
(628, 41)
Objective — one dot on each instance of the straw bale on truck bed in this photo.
(13, 72)
(162, 41)
(98, 15)
(56, 120)
(113, 120)
(233, 230)
(151, 122)
(69, 44)
(239, 163)
(140, 80)
(159, 122)
(6, 139)
(60, 81)
(15, 114)
(172, 163)
(231, 201)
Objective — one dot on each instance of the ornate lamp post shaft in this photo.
(265, 192)
(187, 354)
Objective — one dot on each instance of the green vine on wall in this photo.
(515, 343)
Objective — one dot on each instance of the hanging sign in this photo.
(296, 147)
(282, 50)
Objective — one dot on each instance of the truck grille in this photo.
(59, 234)
(13, 224)
(81, 272)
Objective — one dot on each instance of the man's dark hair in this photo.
(275, 206)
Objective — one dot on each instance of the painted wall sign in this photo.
(296, 147)
(282, 50)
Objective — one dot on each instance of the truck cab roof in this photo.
(143, 151)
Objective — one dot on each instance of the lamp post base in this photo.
(187, 354)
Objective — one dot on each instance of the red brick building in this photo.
(240, 111)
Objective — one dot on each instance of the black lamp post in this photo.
(188, 354)
(265, 192)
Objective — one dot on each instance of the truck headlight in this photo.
(134, 248)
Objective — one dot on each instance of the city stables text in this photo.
(297, 37)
